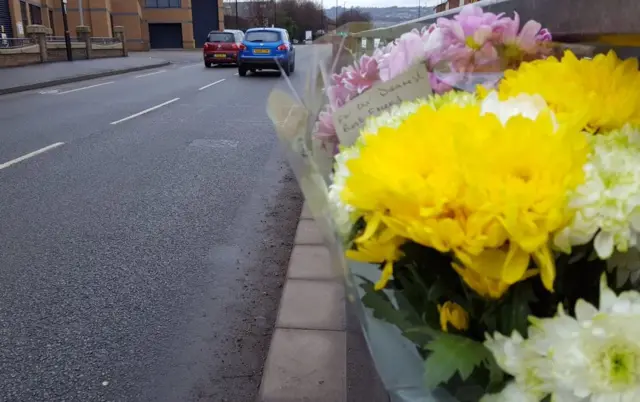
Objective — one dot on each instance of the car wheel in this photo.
(207, 64)
(242, 72)
(293, 67)
(287, 68)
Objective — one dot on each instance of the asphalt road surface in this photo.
(144, 247)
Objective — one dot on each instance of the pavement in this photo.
(147, 223)
(317, 353)
(25, 78)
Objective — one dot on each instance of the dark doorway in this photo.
(5, 19)
(165, 36)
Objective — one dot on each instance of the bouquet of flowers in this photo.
(497, 230)
(473, 44)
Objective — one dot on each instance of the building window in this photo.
(51, 23)
(25, 16)
(162, 3)
(36, 15)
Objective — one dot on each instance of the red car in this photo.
(222, 47)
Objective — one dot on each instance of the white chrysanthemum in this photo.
(511, 393)
(594, 357)
(608, 203)
(342, 213)
(525, 105)
(515, 357)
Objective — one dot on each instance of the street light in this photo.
(81, 11)
(67, 36)
(237, 14)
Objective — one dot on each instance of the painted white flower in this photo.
(525, 105)
(607, 204)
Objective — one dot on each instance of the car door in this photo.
(292, 51)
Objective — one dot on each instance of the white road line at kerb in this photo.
(148, 74)
(151, 109)
(83, 88)
(235, 74)
(212, 84)
(191, 65)
(30, 155)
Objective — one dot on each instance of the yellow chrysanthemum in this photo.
(378, 246)
(456, 179)
(605, 88)
(452, 314)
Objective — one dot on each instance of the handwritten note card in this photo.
(409, 86)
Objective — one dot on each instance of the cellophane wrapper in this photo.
(298, 115)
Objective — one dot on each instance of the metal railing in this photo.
(105, 41)
(15, 43)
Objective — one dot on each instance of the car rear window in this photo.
(262, 36)
(221, 37)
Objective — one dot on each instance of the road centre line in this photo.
(148, 74)
(30, 155)
(212, 84)
(151, 109)
(83, 88)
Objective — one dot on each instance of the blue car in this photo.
(266, 49)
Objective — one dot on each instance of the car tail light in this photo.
(207, 46)
(242, 47)
(283, 47)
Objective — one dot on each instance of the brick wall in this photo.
(21, 59)
(100, 15)
(61, 54)
(180, 15)
(103, 53)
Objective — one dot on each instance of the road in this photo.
(144, 244)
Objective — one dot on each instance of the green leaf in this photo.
(451, 354)
(515, 309)
(496, 375)
(382, 307)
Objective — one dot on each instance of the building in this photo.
(451, 4)
(148, 24)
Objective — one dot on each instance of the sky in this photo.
(383, 3)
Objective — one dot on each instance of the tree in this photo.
(353, 15)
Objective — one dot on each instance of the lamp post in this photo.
(67, 36)
(237, 14)
(418, 8)
(274, 13)
(81, 11)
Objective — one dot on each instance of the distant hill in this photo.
(383, 16)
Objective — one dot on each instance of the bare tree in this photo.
(353, 15)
